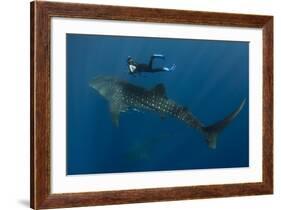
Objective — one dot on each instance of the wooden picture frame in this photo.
(41, 14)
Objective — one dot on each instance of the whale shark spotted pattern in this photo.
(123, 96)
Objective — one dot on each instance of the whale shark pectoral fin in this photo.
(115, 118)
(115, 110)
(159, 90)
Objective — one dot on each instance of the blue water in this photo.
(211, 79)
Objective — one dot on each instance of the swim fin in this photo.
(173, 67)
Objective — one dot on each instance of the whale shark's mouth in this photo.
(104, 85)
(100, 81)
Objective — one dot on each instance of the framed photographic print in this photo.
(140, 105)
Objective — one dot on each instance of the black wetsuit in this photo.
(135, 67)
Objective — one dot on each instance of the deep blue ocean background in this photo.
(211, 79)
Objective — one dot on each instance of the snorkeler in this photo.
(135, 67)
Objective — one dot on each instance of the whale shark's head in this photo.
(105, 86)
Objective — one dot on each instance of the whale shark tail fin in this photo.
(211, 132)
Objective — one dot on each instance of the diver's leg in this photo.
(153, 57)
(150, 62)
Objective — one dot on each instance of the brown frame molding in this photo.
(41, 14)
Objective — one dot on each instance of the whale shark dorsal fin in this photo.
(159, 89)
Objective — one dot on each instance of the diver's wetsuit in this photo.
(135, 67)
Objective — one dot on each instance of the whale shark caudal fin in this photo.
(211, 132)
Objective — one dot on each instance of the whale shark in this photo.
(124, 96)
